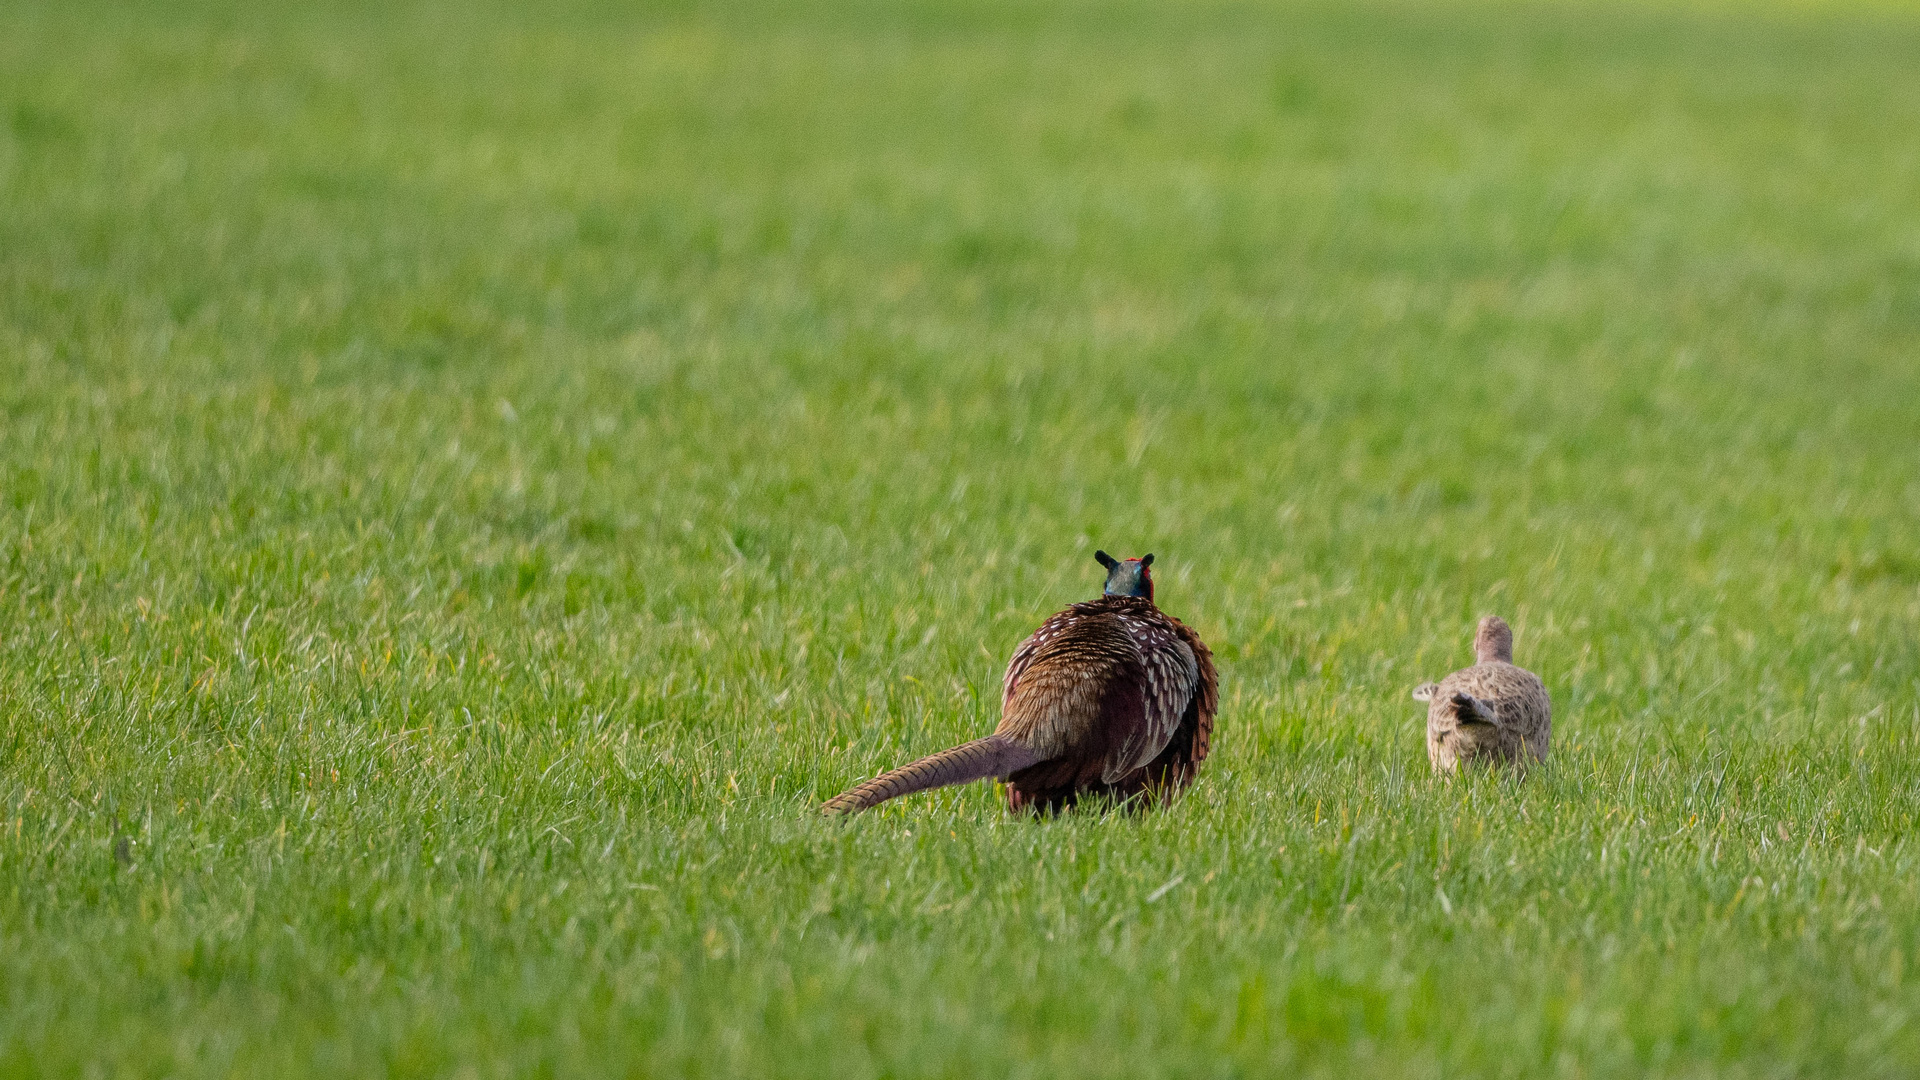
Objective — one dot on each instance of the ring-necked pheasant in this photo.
(1492, 711)
(1112, 697)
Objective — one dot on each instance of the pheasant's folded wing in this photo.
(1179, 763)
(1078, 699)
(1170, 673)
(1195, 736)
(1049, 631)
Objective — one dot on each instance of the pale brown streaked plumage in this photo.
(1112, 697)
(1490, 712)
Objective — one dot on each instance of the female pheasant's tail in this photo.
(1472, 710)
(994, 756)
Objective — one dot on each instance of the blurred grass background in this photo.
(472, 478)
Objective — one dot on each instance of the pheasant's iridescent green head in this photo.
(1127, 577)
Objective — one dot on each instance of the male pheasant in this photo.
(1490, 712)
(1112, 698)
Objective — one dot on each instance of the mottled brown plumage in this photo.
(1490, 712)
(1110, 698)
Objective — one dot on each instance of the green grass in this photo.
(471, 480)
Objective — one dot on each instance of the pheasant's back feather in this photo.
(1115, 696)
(1522, 728)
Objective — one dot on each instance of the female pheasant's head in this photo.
(1127, 577)
(1493, 640)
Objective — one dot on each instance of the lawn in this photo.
(473, 477)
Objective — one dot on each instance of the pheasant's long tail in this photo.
(992, 756)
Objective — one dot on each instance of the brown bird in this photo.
(1111, 698)
(1492, 711)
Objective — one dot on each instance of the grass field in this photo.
(473, 479)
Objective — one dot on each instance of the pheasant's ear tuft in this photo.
(1105, 559)
(1147, 559)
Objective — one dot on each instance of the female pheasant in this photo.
(1112, 697)
(1492, 711)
